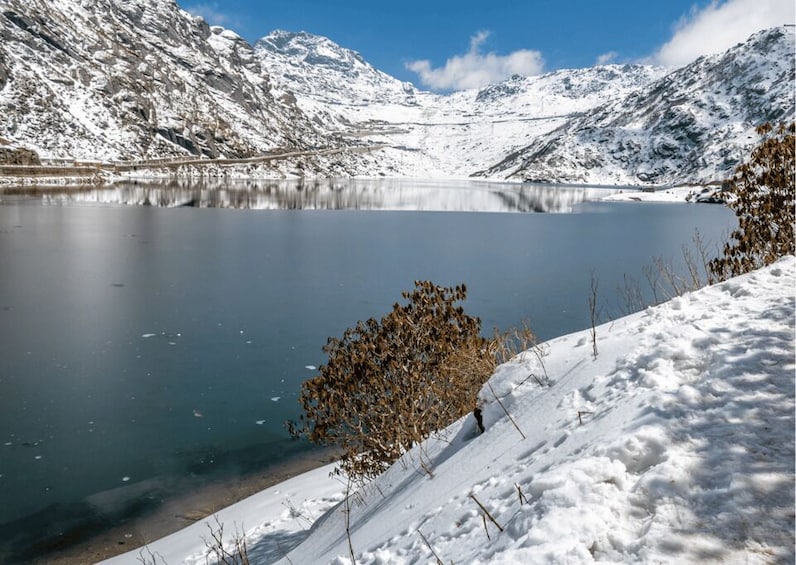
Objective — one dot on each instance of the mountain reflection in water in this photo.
(341, 194)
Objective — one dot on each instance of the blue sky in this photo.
(447, 44)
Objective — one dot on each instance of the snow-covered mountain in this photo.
(316, 67)
(695, 124)
(142, 79)
(135, 79)
(424, 134)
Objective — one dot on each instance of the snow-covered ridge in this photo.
(695, 124)
(675, 445)
(112, 79)
(143, 79)
(316, 67)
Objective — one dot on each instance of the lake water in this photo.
(145, 350)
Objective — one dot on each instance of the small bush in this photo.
(389, 383)
(234, 553)
(663, 281)
(764, 187)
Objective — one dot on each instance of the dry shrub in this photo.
(764, 187)
(389, 383)
(234, 553)
(507, 345)
(663, 281)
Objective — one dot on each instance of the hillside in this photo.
(429, 135)
(674, 444)
(696, 124)
(130, 80)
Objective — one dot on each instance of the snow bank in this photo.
(695, 193)
(674, 444)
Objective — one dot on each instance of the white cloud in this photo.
(607, 58)
(475, 69)
(211, 13)
(719, 26)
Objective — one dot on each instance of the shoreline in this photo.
(183, 510)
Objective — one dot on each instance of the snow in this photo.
(679, 128)
(674, 444)
(689, 193)
(679, 194)
(429, 135)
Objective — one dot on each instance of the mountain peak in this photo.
(110, 79)
(305, 47)
(320, 68)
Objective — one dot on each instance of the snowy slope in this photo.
(695, 124)
(430, 135)
(674, 445)
(136, 79)
(315, 67)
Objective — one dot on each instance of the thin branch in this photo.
(483, 519)
(523, 500)
(593, 312)
(504, 409)
(347, 513)
(434, 553)
(483, 508)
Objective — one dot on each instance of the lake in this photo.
(150, 348)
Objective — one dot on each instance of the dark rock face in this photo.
(18, 156)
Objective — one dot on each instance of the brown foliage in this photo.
(764, 207)
(388, 384)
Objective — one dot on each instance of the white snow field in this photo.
(674, 445)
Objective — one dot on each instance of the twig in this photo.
(582, 413)
(482, 507)
(434, 553)
(523, 500)
(594, 314)
(504, 409)
(347, 513)
(154, 557)
(426, 464)
(239, 554)
(522, 382)
(297, 514)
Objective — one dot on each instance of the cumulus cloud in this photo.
(719, 26)
(475, 69)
